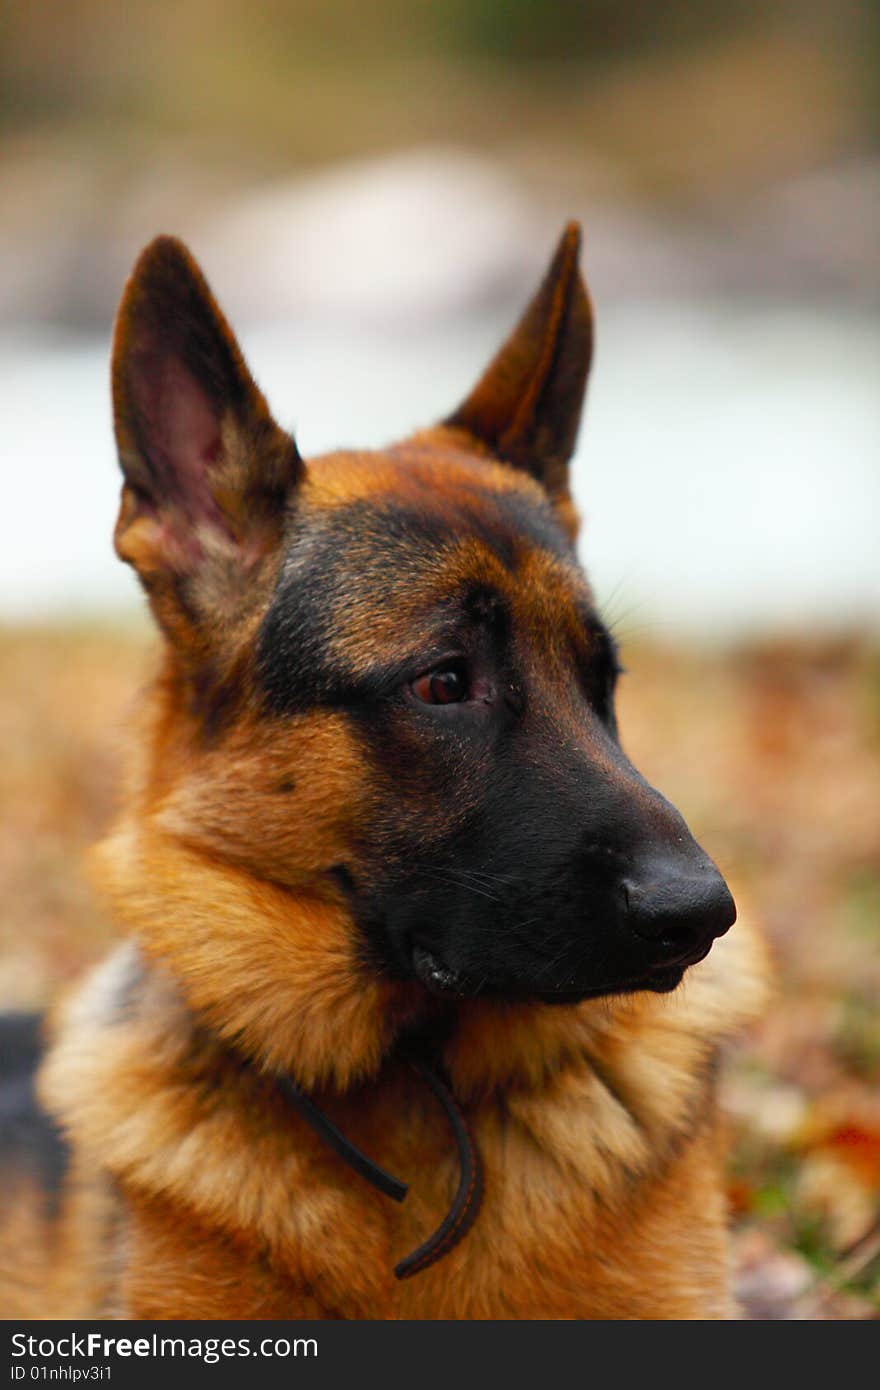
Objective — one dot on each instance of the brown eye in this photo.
(445, 686)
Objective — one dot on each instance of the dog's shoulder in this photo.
(32, 1148)
(34, 1162)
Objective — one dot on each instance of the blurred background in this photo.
(373, 191)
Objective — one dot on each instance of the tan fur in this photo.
(597, 1128)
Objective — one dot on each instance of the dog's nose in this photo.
(680, 912)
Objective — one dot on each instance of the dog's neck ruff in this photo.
(468, 1196)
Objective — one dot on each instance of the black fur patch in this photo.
(373, 550)
(534, 521)
(30, 1141)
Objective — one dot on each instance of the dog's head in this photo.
(388, 690)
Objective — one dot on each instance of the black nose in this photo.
(680, 912)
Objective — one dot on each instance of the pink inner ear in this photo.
(180, 432)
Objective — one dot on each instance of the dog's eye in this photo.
(446, 685)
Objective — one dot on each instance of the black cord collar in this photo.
(468, 1196)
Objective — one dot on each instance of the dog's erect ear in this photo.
(527, 405)
(207, 471)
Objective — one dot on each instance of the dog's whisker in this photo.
(459, 883)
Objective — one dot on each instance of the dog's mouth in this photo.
(446, 983)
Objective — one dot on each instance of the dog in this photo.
(398, 909)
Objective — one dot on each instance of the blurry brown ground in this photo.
(772, 752)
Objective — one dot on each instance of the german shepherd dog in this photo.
(393, 894)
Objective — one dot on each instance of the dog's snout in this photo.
(679, 911)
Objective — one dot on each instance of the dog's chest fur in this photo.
(596, 1168)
